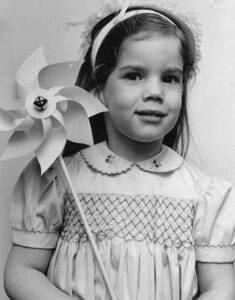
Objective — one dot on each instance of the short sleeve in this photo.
(214, 225)
(37, 207)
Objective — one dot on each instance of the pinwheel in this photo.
(47, 118)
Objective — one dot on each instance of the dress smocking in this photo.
(151, 220)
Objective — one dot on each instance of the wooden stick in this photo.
(87, 228)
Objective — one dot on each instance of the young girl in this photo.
(164, 230)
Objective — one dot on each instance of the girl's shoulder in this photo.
(203, 182)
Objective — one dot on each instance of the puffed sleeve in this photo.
(37, 207)
(214, 226)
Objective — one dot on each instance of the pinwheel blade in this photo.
(26, 124)
(62, 102)
(66, 73)
(59, 117)
(4, 136)
(27, 74)
(51, 148)
(8, 93)
(46, 124)
(91, 104)
(63, 105)
(77, 124)
(23, 142)
(8, 121)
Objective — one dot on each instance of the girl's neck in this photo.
(132, 150)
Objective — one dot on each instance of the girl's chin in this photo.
(148, 139)
(149, 136)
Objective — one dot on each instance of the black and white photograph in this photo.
(117, 150)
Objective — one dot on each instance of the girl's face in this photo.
(144, 92)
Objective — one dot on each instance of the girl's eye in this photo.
(133, 76)
(172, 79)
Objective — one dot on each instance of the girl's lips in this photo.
(151, 113)
(151, 116)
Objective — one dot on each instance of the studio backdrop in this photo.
(26, 24)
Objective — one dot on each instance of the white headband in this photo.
(123, 15)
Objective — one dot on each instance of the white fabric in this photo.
(137, 269)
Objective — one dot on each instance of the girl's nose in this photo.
(153, 90)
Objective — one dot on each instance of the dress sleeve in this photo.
(37, 207)
(214, 226)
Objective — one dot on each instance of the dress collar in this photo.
(103, 160)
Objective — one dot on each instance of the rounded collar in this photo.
(103, 160)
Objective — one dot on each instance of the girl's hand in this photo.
(25, 278)
(216, 281)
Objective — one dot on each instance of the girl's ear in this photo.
(98, 94)
(94, 92)
(102, 100)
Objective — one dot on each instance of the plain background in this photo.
(26, 24)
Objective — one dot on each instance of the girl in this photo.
(164, 229)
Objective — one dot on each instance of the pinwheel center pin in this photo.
(40, 103)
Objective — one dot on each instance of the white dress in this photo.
(152, 221)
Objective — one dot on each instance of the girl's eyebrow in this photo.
(138, 67)
(135, 67)
(174, 70)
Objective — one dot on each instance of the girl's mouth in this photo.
(151, 113)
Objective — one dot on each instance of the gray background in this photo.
(25, 24)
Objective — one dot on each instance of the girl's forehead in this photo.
(148, 47)
(144, 34)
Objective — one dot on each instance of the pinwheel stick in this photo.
(87, 228)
